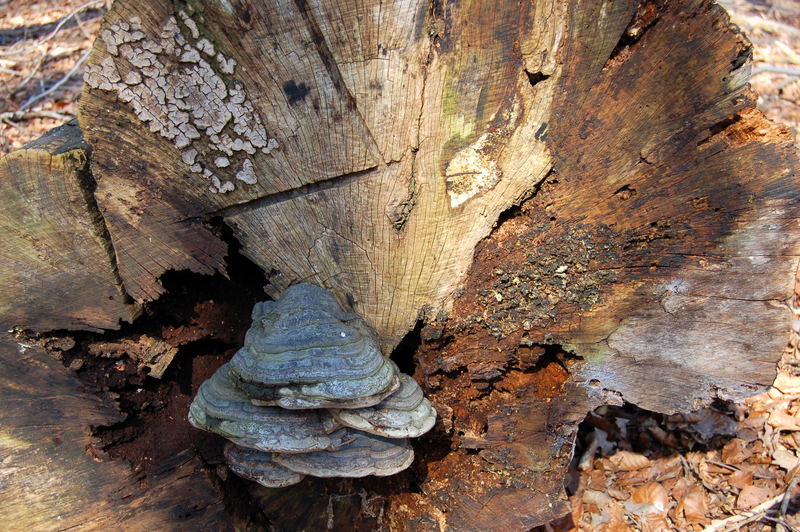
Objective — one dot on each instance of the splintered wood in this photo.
(146, 351)
(52, 481)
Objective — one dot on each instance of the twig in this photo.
(787, 496)
(17, 116)
(771, 26)
(58, 84)
(82, 27)
(776, 69)
(734, 468)
(736, 521)
(724, 465)
(780, 524)
(11, 72)
(15, 126)
(33, 72)
(782, 85)
(55, 31)
(791, 56)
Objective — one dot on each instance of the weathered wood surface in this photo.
(57, 270)
(372, 148)
(54, 478)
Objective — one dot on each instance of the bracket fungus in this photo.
(259, 466)
(310, 393)
(404, 414)
(366, 454)
(227, 411)
(305, 351)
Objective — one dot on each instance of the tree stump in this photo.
(573, 203)
(58, 266)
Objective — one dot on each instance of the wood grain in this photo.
(57, 262)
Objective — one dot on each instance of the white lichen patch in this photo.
(187, 20)
(226, 64)
(179, 95)
(188, 156)
(247, 173)
(205, 46)
(271, 145)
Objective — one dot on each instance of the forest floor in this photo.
(730, 467)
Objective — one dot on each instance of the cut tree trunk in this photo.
(576, 203)
(58, 269)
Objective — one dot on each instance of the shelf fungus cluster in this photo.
(310, 393)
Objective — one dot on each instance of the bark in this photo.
(578, 201)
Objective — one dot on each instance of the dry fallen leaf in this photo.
(656, 523)
(752, 496)
(617, 521)
(741, 478)
(652, 493)
(781, 420)
(598, 498)
(618, 493)
(628, 461)
(735, 452)
(693, 506)
(787, 384)
(785, 458)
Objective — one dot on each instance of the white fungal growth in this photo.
(187, 20)
(189, 155)
(180, 96)
(205, 46)
(247, 173)
(225, 64)
(121, 33)
(133, 78)
(271, 145)
(190, 56)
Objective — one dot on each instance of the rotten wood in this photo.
(151, 355)
(55, 478)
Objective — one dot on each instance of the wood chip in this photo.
(148, 352)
